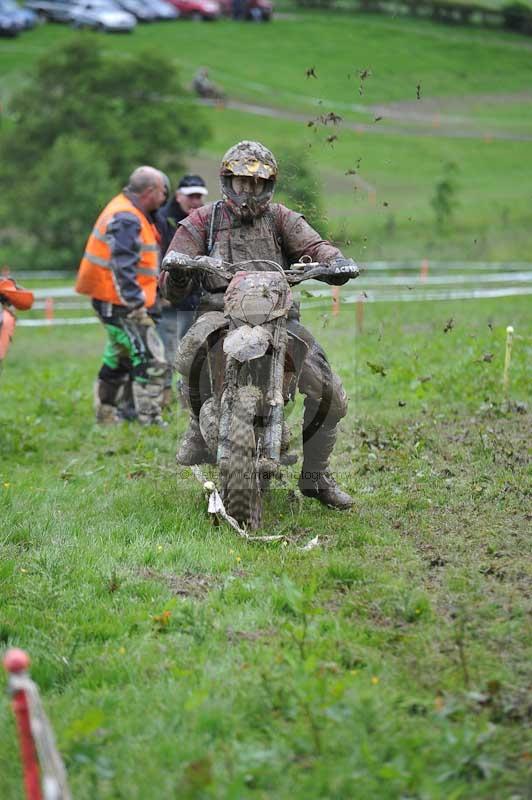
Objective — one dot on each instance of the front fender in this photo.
(246, 343)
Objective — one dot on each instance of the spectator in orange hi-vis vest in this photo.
(119, 271)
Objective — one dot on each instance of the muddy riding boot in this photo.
(193, 449)
(126, 402)
(148, 397)
(315, 479)
(105, 395)
(168, 397)
(287, 458)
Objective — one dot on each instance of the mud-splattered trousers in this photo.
(133, 360)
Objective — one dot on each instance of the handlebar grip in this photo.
(181, 261)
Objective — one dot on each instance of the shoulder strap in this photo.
(212, 226)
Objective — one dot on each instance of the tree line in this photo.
(79, 125)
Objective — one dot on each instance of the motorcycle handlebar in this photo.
(297, 273)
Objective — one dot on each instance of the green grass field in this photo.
(389, 662)
(392, 662)
(474, 88)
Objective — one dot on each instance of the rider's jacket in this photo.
(279, 235)
(121, 260)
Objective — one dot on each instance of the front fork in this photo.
(273, 430)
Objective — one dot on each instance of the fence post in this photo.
(49, 309)
(359, 313)
(335, 297)
(507, 360)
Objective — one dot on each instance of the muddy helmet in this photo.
(248, 160)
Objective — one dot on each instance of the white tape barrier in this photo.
(51, 323)
(323, 298)
(369, 266)
(496, 280)
(435, 266)
(367, 280)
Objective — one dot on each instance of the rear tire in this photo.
(241, 489)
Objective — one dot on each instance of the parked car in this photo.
(104, 15)
(198, 9)
(256, 10)
(162, 9)
(9, 26)
(139, 9)
(26, 18)
(55, 10)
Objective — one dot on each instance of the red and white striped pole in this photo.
(16, 663)
(44, 774)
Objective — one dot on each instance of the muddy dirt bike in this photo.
(11, 297)
(243, 366)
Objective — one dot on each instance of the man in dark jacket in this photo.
(176, 318)
(247, 225)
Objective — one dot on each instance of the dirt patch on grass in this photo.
(250, 636)
(189, 584)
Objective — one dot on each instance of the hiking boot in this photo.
(323, 487)
(157, 421)
(193, 449)
(107, 415)
(105, 395)
(127, 413)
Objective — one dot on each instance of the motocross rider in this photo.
(247, 225)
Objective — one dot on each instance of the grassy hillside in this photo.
(175, 660)
(474, 110)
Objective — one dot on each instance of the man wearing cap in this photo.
(177, 318)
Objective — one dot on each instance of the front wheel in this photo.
(240, 482)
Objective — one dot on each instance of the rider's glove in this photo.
(174, 260)
(140, 316)
(174, 279)
(342, 270)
